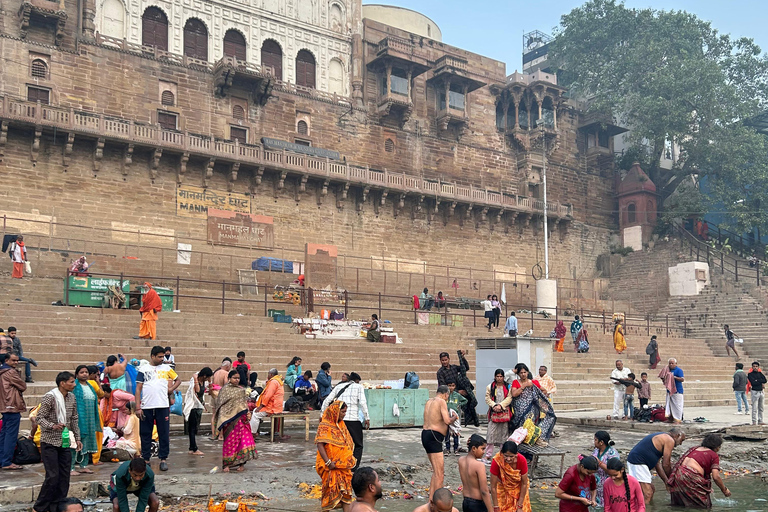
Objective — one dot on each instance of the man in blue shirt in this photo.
(510, 327)
(674, 407)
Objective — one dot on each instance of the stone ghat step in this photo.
(575, 406)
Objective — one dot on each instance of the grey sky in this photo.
(494, 28)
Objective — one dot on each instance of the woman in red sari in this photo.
(151, 305)
(231, 417)
(335, 460)
(509, 480)
(690, 483)
(560, 336)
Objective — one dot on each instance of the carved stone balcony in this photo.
(454, 70)
(229, 72)
(452, 118)
(43, 12)
(131, 134)
(395, 105)
(399, 52)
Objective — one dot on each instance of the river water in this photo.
(749, 494)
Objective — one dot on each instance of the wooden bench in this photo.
(279, 421)
(538, 451)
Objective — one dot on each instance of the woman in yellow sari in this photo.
(619, 343)
(335, 460)
(509, 480)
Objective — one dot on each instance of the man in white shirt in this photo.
(154, 383)
(510, 328)
(352, 394)
(619, 390)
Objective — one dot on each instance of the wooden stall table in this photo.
(538, 451)
(273, 420)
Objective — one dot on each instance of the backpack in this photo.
(411, 381)
(658, 414)
(294, 404)
(26, 452)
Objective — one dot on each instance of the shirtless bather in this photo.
(436, 421)
(442, 501)
(474, 479)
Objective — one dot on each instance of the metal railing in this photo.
(355, 303)
(739, 268)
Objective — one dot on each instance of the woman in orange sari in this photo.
(509, 480)
(335, 460)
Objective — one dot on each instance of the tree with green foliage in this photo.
(671, 77)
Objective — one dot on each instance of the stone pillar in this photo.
(89, 15)
(409, 75)
(357, 52)
(546, 295)
(447, 96)
(554, 116)
(389, 80)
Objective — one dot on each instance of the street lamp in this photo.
(541, 123)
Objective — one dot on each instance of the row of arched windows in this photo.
(155, 33)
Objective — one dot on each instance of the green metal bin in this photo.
(410, 403)
(166, 297)
(89, 291)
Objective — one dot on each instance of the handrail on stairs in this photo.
(749, 271)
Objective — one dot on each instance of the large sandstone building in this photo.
(332, 122)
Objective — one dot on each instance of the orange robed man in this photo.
(150, 307)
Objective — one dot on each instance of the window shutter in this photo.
(39, 69)
(302, 128)
(389, 146)
(36, 94)
(154, 29)
(166, 121)
(168, 99)
(196, 40)
(238, 112)
(305, 69)
(234, 45)
(272, 56)
(238, 134)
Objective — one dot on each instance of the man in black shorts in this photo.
(133, 477)
(436, 421)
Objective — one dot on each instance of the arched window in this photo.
(39, 69)
(522, 116)
(234, 45)
(272, 56)
(154, 29)
(548, 112)
(336, 77)
(336, 18)
(511, 113)
(302, 127)
(500, 116)
(196, 39)
(238, 112)
(389, 146)
(113, 19)
(631, 213)
(167, 98)
(305, 69)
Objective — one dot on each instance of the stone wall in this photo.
(117, 83)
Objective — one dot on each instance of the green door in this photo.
(420, 397)
(407, 411)
(391, 397)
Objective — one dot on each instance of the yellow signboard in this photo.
(195, 201)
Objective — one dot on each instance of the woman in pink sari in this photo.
(231, 418)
